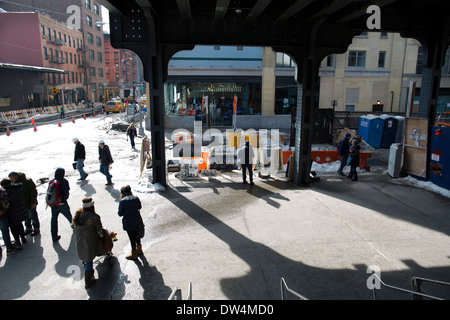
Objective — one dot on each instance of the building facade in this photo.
(84, 18)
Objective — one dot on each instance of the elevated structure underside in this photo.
(307, 30)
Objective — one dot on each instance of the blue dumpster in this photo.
(440, 156)
(371, 130)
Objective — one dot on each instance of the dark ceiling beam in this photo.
(293, 10)
(113, 6)
(335, 6)
(185, 8)
(259, 7)
(221, 8)
(358, 13)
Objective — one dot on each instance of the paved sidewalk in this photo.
(321, 238)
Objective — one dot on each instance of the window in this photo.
(70, 42)
(49, 35)
(383, 35)
(381, 59)
(117, 77)
(51, 53)
(91, 54)
(349, 107)
(73, 77)
(284, 61)
(54, 35)
(65, 38)
(100, 73)
(90, 38)
(98, 41)
(92, 72)
(419, 65)
(43, 31)
(116, 67)
(76, 77)
(357, 59)
(59, 34)
(71, 60)
(87, 4)
(116, 56)
(67, 58)
(89, 21)
(96, 11)
(45, 53)
(99, 57)
(330, 61)
(75, 59)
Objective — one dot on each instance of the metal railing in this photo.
(413, 293)
(285, 287)
(416, 283)
(176, 293)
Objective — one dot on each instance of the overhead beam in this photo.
(185, 8)
(293, 10)
(113, 6)
(221, 8)
(259, 7)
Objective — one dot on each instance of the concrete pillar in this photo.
(268, 82)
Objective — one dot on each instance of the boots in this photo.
(133, 255)
(89, 279)
(139, 251)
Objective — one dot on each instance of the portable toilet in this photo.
(390, 128)
(371, 130)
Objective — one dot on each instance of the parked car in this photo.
(114, 106)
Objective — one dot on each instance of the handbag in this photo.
(349, 160)
(141, 230)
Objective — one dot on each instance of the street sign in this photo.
(55, 91)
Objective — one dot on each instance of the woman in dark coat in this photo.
(354, 163)
(129, 207)
(17, 212)
(89, 233)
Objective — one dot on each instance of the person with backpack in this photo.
(29, 192)
(104, 155)
(79, 157)
(354, 162)
(57, 196)
(344, 150)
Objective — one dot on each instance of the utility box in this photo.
(390, 129)
(395, 160)
(440, 156)
(371, 130)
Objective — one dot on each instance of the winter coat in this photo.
(354, 154)
(131, 131)
(64, 184)
(28, 189)
(344, 147)
(4, 202)
(80, 151)
(104, 155)
(129, 208)
(17, 212)
(89, 231)
(246, 154)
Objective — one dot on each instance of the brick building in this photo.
(91, 42)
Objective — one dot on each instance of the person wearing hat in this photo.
(79, 157)
(344, 150)
(104, 155)
(89, 233)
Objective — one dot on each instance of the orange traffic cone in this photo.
(32, 120)
(93, 114)
(8, 133)
(35, 129)
(59, 123)
(84, 116)
(73, 119)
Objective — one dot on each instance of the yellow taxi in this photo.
(114, 106)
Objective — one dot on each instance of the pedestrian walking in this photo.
(4, 224)
(104, 155)
(89, 234)
(246, 155)
(29, 192)
(129, 210)
(354, 162)
(79, 157)
(132, 132)
(61, 112)
(344, 150)
(62, 207)
(16, 213)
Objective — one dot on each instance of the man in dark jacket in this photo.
(104, 155)
(344, 150)
(17, 213)
(63, 207)
(79, 157)
(30, 201)
(246, 155)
